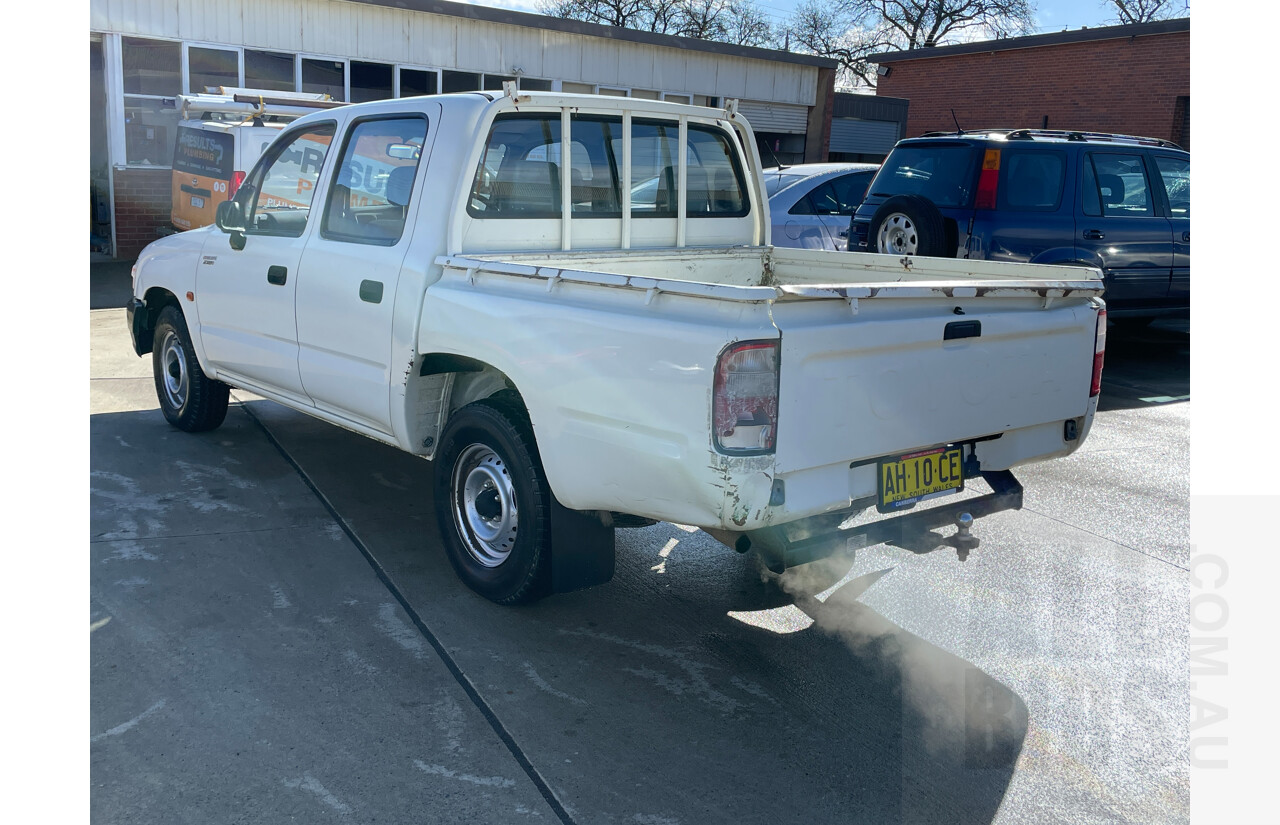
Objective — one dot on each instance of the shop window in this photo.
(370, 81)
(324, 77)
(646, 94)
(577, 88)
(151, 67)
(150, 126)
(414, 82)
(460, 82)
(210, 68)
(533, 84)
(268, 70)
(493, 82)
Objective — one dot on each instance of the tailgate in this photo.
(873, 377)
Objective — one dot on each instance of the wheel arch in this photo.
(443, 383)
(155, 300)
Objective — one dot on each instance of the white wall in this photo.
(360, 31)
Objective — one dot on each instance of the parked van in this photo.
(221, 137)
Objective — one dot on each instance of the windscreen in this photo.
(204, 152)
(943, 172)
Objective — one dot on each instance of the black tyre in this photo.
(493, 503)
(189, 399)
(909, 225)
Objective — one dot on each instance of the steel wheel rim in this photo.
(484, 505)
(898, 235)
(173, 366)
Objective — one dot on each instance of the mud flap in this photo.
(582, 550)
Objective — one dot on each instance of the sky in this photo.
(1052, 15)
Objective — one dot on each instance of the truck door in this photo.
(246, 296)
(1120, 227)
(346, 298)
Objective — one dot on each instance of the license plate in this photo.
(198, 203)
(907, 479)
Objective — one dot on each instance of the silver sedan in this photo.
(812, 203)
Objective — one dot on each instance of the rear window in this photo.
(204, 152)
(943, 173)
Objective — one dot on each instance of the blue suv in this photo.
(1115, 202)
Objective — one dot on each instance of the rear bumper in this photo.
(815, 538)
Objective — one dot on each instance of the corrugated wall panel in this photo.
(329, 28)
(158, 18)
(475, 52)
(211, 22)
(669, 69)
(559, 58)
(635, 65)
(599, 64)
(775, 117)
(704, 71)
(382, 34)
(273, 24)
(433, 40)
(868, 137)
(759, 77)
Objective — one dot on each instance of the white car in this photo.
(812, 203)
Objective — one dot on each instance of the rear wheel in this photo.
(189, 399)
(493, 502)
(909, 225)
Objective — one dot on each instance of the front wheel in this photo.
(493, 503)
(189, 399)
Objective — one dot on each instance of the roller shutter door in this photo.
(787, 118)
(867, 137)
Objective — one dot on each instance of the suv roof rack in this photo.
(1061, 134)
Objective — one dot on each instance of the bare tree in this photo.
(850, 30)
(730, 21)
(1146, 11)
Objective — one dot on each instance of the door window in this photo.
(1175, 173)
(369, 198)
(1120, 186)
(278, 197)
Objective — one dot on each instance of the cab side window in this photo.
(278, 198)
(369, 198)
(1175, 173)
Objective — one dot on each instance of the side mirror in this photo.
(230, 219)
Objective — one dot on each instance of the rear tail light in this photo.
(1099, 349)
(237, 178)
(745, 399)
(987, 180)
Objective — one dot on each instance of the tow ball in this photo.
(964, 540)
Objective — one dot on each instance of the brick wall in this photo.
(1128, 85)
(143, 203)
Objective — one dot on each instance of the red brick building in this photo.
(1133, 80)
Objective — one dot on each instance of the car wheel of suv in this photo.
(492, 501)
(909, 225)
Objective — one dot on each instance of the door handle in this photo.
(1186, 236)
(277, 275)
(843, 233)
(1094, 234)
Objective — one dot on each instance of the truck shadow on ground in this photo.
(1148, 366)
(681, 689)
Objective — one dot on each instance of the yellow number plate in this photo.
(906, 479)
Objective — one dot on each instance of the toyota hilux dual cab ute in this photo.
(571, 306)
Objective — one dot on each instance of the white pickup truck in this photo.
(570, 304)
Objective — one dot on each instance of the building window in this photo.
(605, 90)
(493, 82)
(324, 77)
(371, 81)
(152, 80)
(676, 98)
(151, 67)
(269, 70)
(414, 82)
(533, 84)
(577, 88)
(645, 94)
(460, 82)
(211, 68)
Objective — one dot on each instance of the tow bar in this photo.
(911, 531)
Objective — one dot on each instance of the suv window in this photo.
(370, 191)
(1033, 180)
(942, 172)
(1116, 186)
(1176, 175)
(278, 198)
